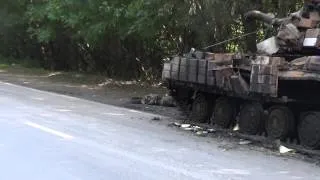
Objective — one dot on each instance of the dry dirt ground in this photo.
(91, 87)
(119, 93)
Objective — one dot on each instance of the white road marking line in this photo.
(38, 98)
(114, 114)
(64, 110)
(134, 111)
(48, 130)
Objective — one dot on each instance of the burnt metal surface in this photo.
(284, 72)
(283, 57)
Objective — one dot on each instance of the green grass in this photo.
(4, 66)
(21, 66)
(19, 69)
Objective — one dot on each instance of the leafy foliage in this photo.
(125, 38)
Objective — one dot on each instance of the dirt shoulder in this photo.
(91, 87)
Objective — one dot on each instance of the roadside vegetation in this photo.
(126, 39)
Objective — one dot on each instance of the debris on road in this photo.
(188, 129)
(197, 128)
(155, 100)
(212, 130)
(202, 133)
(285, 150)
(244, 142)
(226, 147)
(151, 99)
(177, 124)
(156, 119)
(185, 126)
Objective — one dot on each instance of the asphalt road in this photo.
(49, 136)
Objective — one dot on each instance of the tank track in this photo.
(291, 139)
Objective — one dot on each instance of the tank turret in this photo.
(297, 34)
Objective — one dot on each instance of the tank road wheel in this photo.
(251, 118)
(309, 130)
(184, 106)
(223, 113)
(280, 122)
(200, 109)
(183, 99)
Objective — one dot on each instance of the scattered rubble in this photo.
(185, 126)
(211, 130)
(177, 124)
(199, 131)
(285, 150)
(155, 100)
(202, 133)
(156, 119)
(226, 147)
(197, 128)
(188, 129)
(151, 99)
(244, 142)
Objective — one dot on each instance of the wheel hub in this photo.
(309, 130)
(280, 122)
(200, 109)
(224, 112)
(251, 120)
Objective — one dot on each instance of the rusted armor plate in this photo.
(267, 60)
(176, 60)
(223, 78)
(314, 16)
(209, 56)
(307, 23)
(211, 80)
(199, 54)
(183, 71)
(313, 64)
(223, 56)
(175, 64)
(239, 85)
(166, 72)
(299, 75)
(192, 70)
(264, 76)
(264, 79)
(202, 71)
(264, 70)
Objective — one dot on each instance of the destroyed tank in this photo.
(275, 91)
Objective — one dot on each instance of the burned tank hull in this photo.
(276, 90)
(264, 93)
